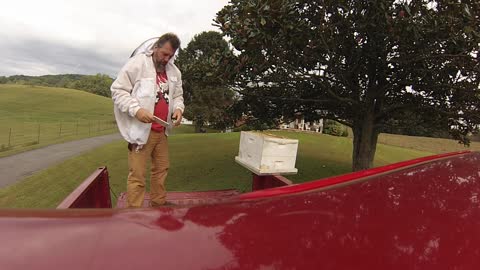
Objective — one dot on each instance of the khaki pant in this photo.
(157, 149)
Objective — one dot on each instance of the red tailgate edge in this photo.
(330, 181)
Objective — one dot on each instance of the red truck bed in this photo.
(186, 198)
(419, 214)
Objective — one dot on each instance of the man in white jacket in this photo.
(148, 85)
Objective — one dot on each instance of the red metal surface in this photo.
(94, 192)
(341, 179)
(187, 198)
(417, 217)
(260, 182)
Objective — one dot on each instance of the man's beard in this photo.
(160, 67)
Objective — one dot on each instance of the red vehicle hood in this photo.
(425, 216)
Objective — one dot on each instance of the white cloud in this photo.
(108, 30)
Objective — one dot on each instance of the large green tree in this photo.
(207, 97)
(360, 62)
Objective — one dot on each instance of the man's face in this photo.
(163, 54)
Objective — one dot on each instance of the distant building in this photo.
(300, 124)
(185, 121)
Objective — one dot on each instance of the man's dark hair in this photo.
(168, 37)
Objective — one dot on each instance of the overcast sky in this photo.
(91, 36)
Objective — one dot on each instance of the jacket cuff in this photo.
(180, 108)
(133, 110)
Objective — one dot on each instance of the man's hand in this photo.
(177, 116)
(144, 116)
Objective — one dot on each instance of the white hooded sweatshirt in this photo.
(134, 88)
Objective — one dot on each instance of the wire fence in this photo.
(31, 133)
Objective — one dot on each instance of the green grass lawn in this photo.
(429, 144)
(34, 116)
(198, 162)
(190, 129)
(434, 145)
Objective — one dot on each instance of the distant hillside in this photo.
(36, 116)
(97, 84)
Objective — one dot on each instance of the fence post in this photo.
(60, 132)
(76, 129)
(38, 137)
(89, 129)
(10, 138)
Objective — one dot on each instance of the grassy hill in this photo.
(198, 162)
(434, 145)
(29, 113)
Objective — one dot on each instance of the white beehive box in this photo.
(266, 154)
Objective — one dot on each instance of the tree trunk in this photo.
(198, 126)
(365, 138)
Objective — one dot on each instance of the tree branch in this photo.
(423, 58)
(283, 98)
(345, 100)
